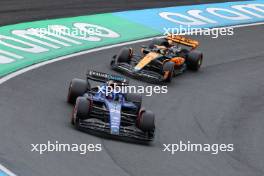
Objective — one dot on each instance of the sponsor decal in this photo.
(199, 16)
(25, 44)
(42, 40)
(115, 116)
(2, 173)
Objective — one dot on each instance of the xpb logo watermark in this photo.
(192, 147)
(214, 32)
(62, 147)
(123, 88)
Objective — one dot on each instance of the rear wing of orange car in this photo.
(183, 40)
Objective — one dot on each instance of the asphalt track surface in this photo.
(15, 11)
(222, 103)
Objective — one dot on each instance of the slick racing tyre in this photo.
(135, 98)
(82, 108)
(77, 88)
(146, 121)
(81, 111)
(124, 55)
(194, 60)
(168, 68)
(159, 42)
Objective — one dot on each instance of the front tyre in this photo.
(81, 110)
(168, 69)
(124, 55)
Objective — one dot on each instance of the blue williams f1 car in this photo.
(114, 113)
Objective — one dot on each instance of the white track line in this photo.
(246, 25)
(19, 72)
(6, 171)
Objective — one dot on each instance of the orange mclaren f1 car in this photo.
(163, 59)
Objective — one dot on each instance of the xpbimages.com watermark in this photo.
(89, 32)
(56, 146)
(211, 32)
(147, 90)
(192, 147)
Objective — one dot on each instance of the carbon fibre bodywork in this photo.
(113, 113)
(152, 72)
(163, 59)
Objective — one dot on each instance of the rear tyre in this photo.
(168, 68)
(135, 98)
(159, 42)
(146, 121)
(124, 55)
(194, 60)
(77, 88)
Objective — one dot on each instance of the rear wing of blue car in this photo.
(105, 77)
